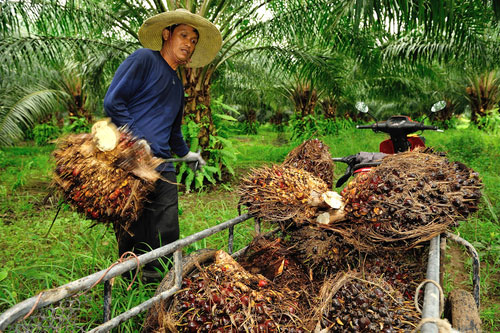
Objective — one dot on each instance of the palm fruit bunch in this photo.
(282, 193)
(224, 297)
(105, 175)
(408, 199)
(320, 251)
(365, 304)
(274, 257)
(313, 156)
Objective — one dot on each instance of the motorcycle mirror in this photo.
(438, 106)
(362, 107)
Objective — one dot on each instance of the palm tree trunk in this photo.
(197, 88)
(305, 100)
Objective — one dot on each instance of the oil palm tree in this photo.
(44, 32)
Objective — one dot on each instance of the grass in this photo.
(33, 261)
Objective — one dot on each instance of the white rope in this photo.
(441, 295)
(443, 325)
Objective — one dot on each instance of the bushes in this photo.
(45, 133)
(315, 126)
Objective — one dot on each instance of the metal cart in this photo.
(432, 302)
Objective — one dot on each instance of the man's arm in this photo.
(126, 82)
(177, 143)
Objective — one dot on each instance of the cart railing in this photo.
(52, 296)
(431, 307)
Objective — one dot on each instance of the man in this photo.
(147, 96)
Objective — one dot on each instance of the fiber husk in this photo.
(313, 156)
(408, 199)
(320, 251)
(107, 186)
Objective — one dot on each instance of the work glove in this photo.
(144, 145)
(194, 160)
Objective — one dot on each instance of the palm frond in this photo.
(15, 119)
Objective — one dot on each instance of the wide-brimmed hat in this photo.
(209, 40)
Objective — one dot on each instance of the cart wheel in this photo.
(202, 257)
(462, 312)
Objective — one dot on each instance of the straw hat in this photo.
(209, 41)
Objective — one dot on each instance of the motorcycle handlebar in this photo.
(429, 127)
(394, 127)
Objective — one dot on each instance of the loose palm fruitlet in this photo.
(282, 193)
(356, 303)
(224, 297)
(313, 156)
(108, 186)
(408, 199)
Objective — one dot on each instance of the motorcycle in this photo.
(399, 127)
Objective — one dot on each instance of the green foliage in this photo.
(471, 146)
(45, 133)
(447, 124)
(490, 122)
(220, 150)
(248, 127)
(311, 126)
(77, 125)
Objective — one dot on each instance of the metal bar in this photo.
(106, 311)
(475, 265)
(54, 295)
(230, 240)
(257, 225)
(116, 321)
(178, 268)
(431, 305)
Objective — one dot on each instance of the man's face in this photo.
(183, 42)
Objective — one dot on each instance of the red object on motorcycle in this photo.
(387, 147)
(362, 170)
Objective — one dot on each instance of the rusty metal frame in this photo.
(54, 295)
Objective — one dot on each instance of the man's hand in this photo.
(194, 160)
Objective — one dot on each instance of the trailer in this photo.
(462, 307)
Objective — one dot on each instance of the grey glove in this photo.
(194, 160)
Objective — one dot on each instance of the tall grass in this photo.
(33, 261)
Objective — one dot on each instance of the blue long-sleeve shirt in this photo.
(147, 95)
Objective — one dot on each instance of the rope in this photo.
(34, 306)
(441, 295)
(119, 261)
(443, 325)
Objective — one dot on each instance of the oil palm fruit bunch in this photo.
(321, 252)
(224, 297)
(367, 304)
(409, 198)
(106, 174)
(274, 257)
(281, 193)
(313, 156)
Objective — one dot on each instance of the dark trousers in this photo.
(158, 224)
